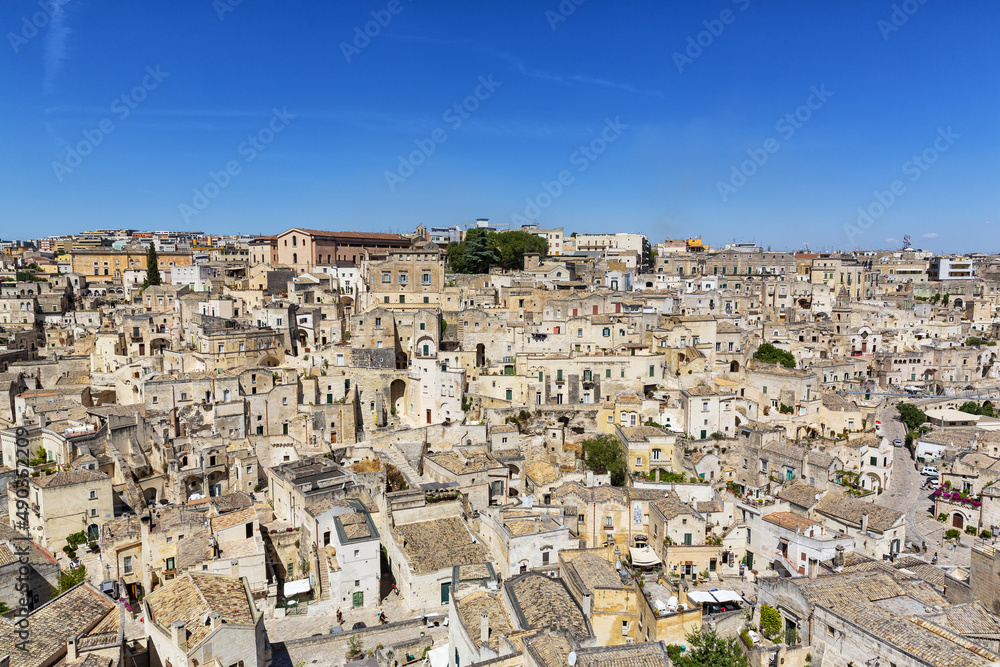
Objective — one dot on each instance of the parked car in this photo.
(930, 471)
(897, 443)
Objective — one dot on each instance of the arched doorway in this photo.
(480, 355)
(957, 521)
(93, 533)
(397, 397)
(734, 366)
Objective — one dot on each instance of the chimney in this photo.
(838, 558)
(484, 627)
(178, 637)
(538, 524)
(70, 649)
(216, 620)
(813, 568)
(235, 565)
(864, 522)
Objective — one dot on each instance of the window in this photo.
(387, 277)
(93, 511)
(93, 495)
(170, 562)
(607, 522)
(404, 279)
(545, 558)
(127, 564)
(425, 279)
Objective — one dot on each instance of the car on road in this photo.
(930, 481)
(930, 471)
(897, 443)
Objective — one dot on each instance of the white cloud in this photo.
(55, 45)
(932, 235)
(892, 240)
(988, 222)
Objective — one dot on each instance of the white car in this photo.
(930, 471)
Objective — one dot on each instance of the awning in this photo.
(297, 587)
(700, 597)
(643, 556)
(438, 656)
(726, 596)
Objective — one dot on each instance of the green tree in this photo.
(944, 301)
(512, 246)
(769, 354)
(481, 251)
(152, 268)
(705, 648)
(69, 578)
(770, 621)
(606, 454)
(911, 415)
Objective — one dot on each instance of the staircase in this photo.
(324, 577)
(397, 459)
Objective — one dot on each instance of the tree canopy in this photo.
(482, 249)
(911, 415)
(770, 354)
(152, 268)
(606, 454)
(705, 648)
(973, 408)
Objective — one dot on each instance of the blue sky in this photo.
(257, 116)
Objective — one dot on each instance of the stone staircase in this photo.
(396, 458)
(324, 577)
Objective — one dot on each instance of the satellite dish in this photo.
(618, 565)
(572, 658)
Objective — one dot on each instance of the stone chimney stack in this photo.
(70, 649)
(216, 619)
(235, 566)
(838, 558)
(178, 637)
(484, 627)
(813, 568)
(864, 522)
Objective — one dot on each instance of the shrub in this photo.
(952, 534)
(770, 621)
(970, 530)
(986, 535)
(942, 517)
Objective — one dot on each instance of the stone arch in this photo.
(426, 347)
(480, 355)
(958, 520)
(734, 366)
(397, 396)
(268, 361)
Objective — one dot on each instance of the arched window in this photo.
(295, 256)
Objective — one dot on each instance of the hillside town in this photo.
(482, 443)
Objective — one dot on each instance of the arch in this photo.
(480, 355)
(734, 366)
(957, 520)
(159, 345)
(268, 361)
(397, 396)
(426, 347)
(93, 533)
(958, 303)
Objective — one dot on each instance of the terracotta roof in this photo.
(472, 606)
(851, 510)
(542, 602)
(440, 543)
(192, 597)
(73, 613)
(233, 519)
(70, 477)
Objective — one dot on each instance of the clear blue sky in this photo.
(557, 85)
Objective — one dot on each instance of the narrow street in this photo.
(904, 494)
